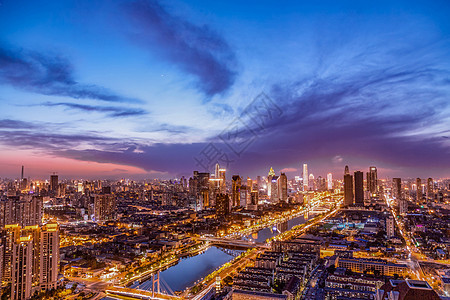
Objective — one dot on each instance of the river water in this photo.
(191, 269)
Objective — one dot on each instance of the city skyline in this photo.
(138, 89)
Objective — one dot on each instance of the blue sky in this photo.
(140, 88)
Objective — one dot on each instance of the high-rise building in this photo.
(282, 187)
(346, 171)
(305, 177)
(222, 205)
(25, 210)
(419, 190)
(430, 191)
(320, 184)
(274, 192)
(222, 181)
(269, 181)
(348, 190)
(236, 183)
(330, 181)
(249, 190)
(104, 207)
(22, 268)
(311, 182)
(49, 257)
(397, 188)
(216, 171)
(359, 188)
(35, 233)
(12, 233)
(372, 180)
(54, 185)
(390, 227)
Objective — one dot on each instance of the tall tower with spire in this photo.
(305, 177)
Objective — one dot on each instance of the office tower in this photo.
(216, 171)
(347, 171)
(282, 187)
(372, 180)
(249, 190)
(12, 234)
(359, 188)
(222, 205)
(397, 188)
(348, 190)
(402, 206)
(254, 198)
(253, 203)
(274, 192)
(236, 182)
(22, 268)
(54, 183)
(104, 207)
(23, 181)
(311, 182)
(330, 181)
(35, 233)
(49, 257)
(203, 189)
(222, 181)
(390, 227)
(305, 177)
(419, 190)
(269, 182)
(430, 191)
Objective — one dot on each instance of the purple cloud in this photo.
(197, 50)
(49, 75)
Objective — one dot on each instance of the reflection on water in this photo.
(191, 269)
(262, 235)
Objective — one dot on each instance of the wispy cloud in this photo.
(111, 111)
(195, 49)
(15, 124)
(49, 74)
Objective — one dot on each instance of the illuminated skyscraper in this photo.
(12, 234)
(236, 182)
(222, 181)
(346, 171)
(49, 257)
(330, 181)
(104, 207)
(35, 233)
(430, 191)
(348, 188)
(359, 188)
(249, 190)
(372, 180)
(54, 183)
(274, 192)
(390, 227)
(305, 177)
(397, 188)
(419, 190)
(222, 205)
(311, 182)
(25, 210)
(269, 182)
(22, 268)
(282, 187)
(216, 171)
